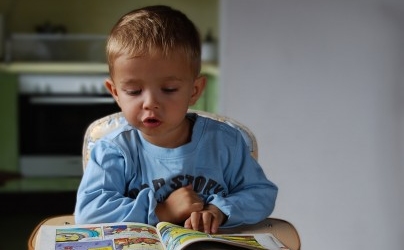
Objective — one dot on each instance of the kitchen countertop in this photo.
(63, 67)
(40, 184)
(53, 67)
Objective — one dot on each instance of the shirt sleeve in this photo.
(101, 196)
(251, 195)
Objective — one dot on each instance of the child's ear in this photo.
(110, 86)
(199, 86)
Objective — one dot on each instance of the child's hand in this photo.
(179, 205)
(207, 220)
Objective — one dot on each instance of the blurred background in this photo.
(52, 70)
(95, 16)
(320, 82)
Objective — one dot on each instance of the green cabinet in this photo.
(209, 99)
(8, 122)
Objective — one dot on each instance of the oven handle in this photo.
(71, 100)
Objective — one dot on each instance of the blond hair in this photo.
(154, 29)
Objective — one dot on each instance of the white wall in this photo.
(321, 83)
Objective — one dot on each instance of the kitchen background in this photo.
(29, 194)
(74, 32)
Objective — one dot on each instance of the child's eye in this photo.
(169, 90)
(134, 92)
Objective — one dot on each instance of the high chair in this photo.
(282, 229)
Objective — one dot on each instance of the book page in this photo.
(176, 238)
(110, 236)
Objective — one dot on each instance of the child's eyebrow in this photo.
(134, 81)
(172, 78)
(129, 82)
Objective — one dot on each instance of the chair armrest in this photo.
(281, 229)
(55, 220)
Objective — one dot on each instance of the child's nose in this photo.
(150, 101)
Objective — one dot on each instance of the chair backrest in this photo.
(282, 229)
(104, 125)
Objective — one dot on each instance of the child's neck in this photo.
(185, 137)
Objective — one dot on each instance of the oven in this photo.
(54, 112)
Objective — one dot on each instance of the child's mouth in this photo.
(151, 122)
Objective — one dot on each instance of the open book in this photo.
(127, 235)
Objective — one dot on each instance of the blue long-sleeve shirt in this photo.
(126, 176)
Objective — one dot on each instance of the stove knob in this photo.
(83, 89)
(47, 89)
(37, 89)
(94, 89)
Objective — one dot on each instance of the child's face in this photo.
(154, 94)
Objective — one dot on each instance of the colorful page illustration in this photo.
(108, 237)
(86, 245)
(78, 234)
(133, 237)
(173, 236)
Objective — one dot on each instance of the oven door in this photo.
(51, 131)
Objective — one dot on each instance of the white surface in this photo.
(320, 82)
(62, 83)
